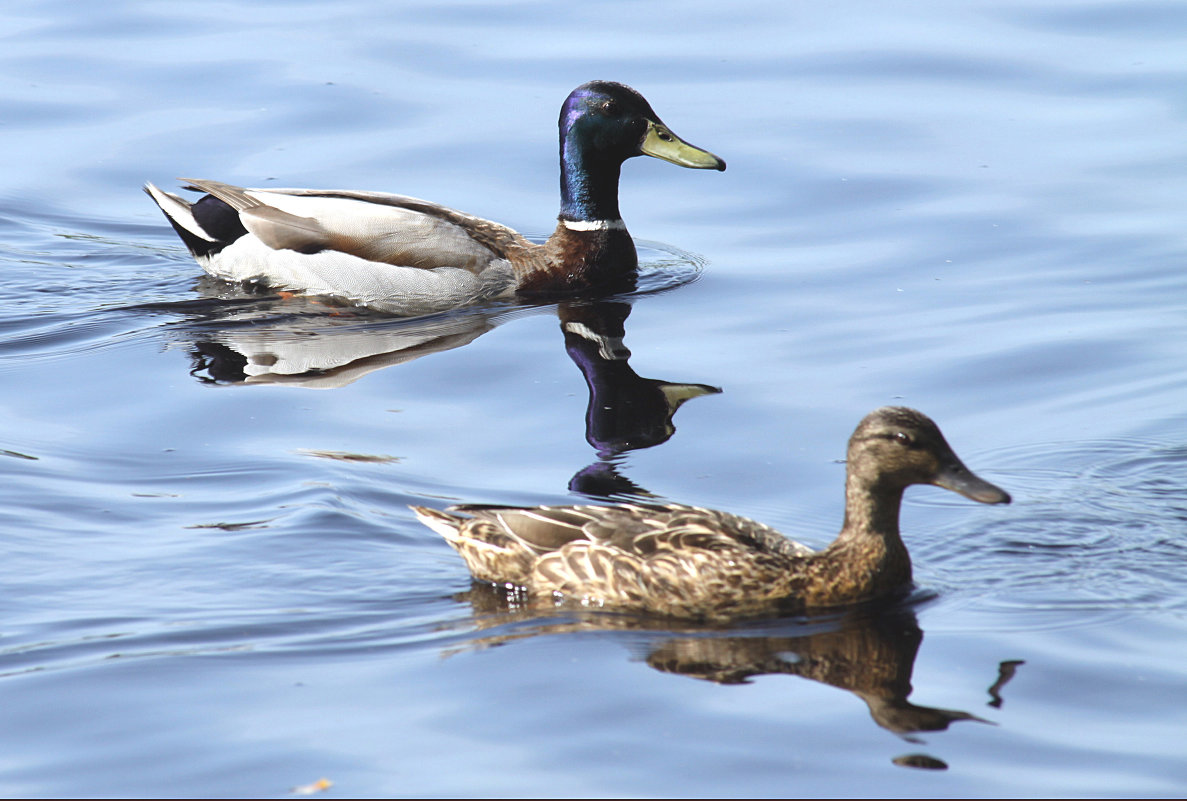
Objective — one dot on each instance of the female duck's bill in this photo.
(686, 561)
(411, 256)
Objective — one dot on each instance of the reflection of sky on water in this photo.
(974, 209)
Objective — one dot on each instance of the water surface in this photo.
(212, 583)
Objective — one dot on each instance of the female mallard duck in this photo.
(685, 561)
(410, 256)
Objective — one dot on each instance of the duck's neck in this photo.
(590, 248)
(869, 542)
(589, 185)
(871, 510)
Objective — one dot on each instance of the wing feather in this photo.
(382, 228)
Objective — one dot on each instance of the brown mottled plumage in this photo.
(686, 561)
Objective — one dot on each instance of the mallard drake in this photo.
(685, 561)
(411, 256)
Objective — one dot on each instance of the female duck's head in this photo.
(895, 447)
(602, 124)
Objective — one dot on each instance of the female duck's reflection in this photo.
(298, 342)
(867, 651)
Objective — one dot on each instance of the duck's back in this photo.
(666, 558)
(390, 252)
(397, 229)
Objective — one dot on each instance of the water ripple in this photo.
(1096, 525)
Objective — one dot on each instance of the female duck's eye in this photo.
(902, 437)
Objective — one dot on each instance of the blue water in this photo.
(212, 585)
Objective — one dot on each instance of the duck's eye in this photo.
(903, 438)
(610, 108)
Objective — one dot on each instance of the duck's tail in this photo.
(445, 524)
(206, 226)
(484, 545)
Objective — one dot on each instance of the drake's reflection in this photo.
(310, 343)
(625, 411)
(304, 342)
(868, 652)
